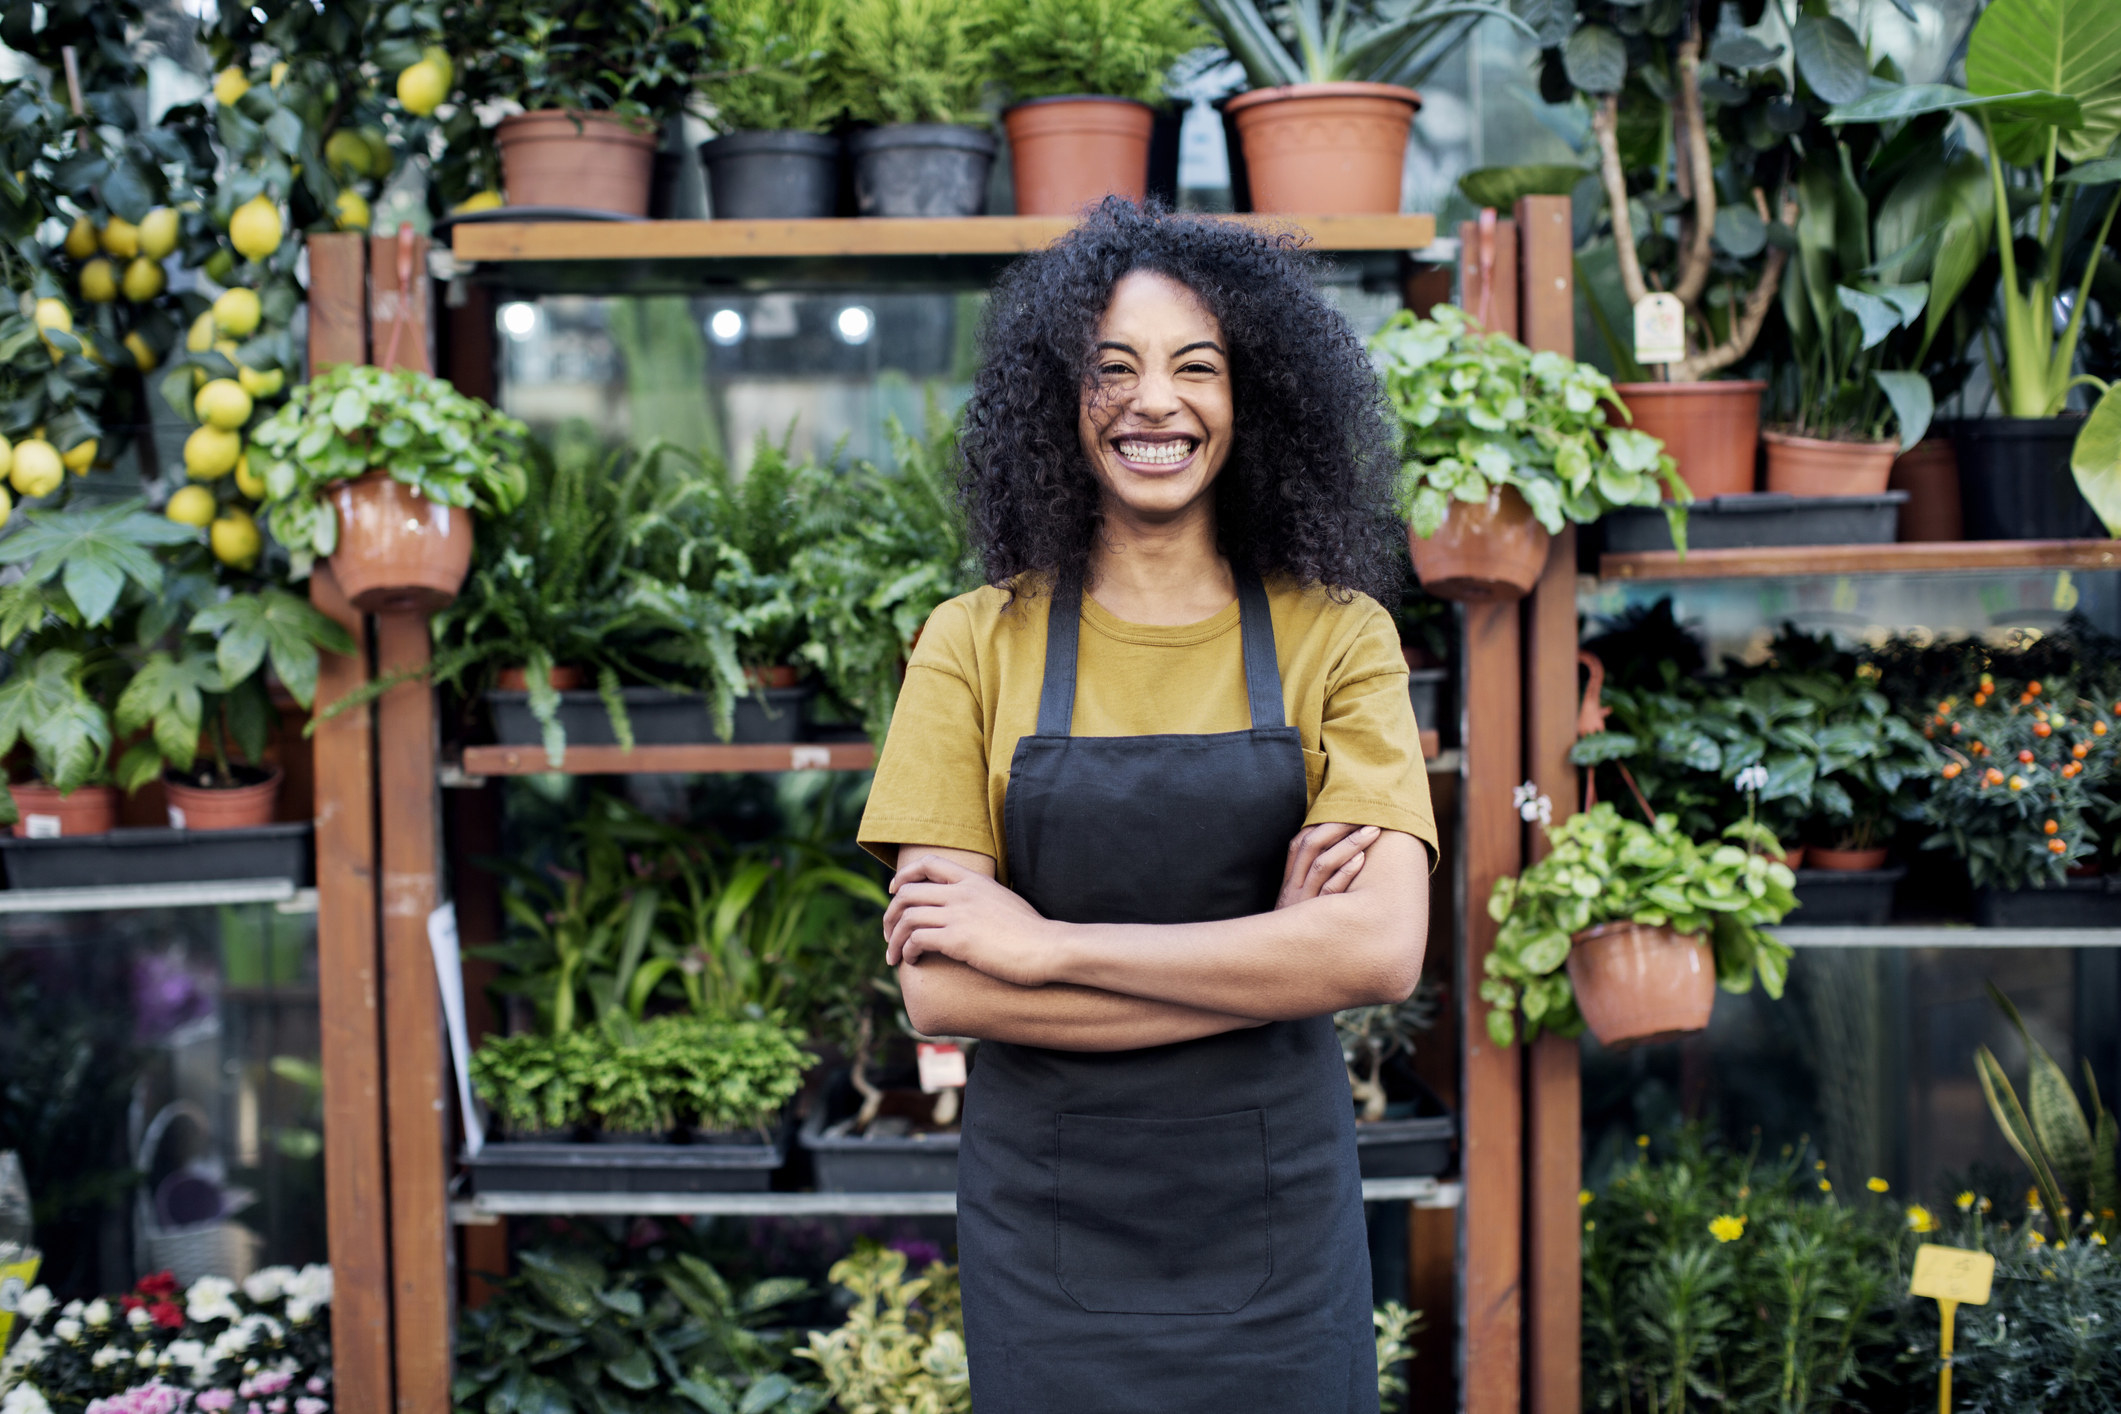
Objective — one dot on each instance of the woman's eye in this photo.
(1114, 370)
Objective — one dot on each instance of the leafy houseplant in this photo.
(774, 94)
(2072, 1157)
(1605, 868)
(918, 68)
(1507, 445)
(902, 1345)
(1372, 1036)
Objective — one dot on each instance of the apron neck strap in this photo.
(1064, 611)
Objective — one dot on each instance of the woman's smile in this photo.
(1155, 453)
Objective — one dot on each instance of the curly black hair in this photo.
(1307, 490)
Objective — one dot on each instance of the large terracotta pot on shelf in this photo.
(1637, 985)
(590, 161)
(1072, 152)
(1711, 429)
(1482, 553)
(398, 551)
(1817, 466)
(1325, 148)
(1846, 861)
(41, 812)
(1929, 473)
(223, 808)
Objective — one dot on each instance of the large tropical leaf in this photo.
(1937, 224)
(45, 703)
(93, 552)
(1831, 58)
(1888, 105)
(2071, 47)
(2097, 460)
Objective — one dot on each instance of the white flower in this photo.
(267, 1283)
(311, 1284)
(209, 1300)
(147, 1357)
(138, 1318)
(1752, 778)
(28, 1350)
(108, 1356)
(25, 1399)
(71, 1308)
(97, 1312)
(1531, 805)
(232, 1342)
(35, 1304)
(67, 1329)
(298, 1310)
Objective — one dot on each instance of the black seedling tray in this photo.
(1759, 518)
(159, 856)
(659, 718)
(853, 1163)
(1419, 1145)
(1853, 897)
(731, 1164)
(2074, 903)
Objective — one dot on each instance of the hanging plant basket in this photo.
(398, 551)
(1637, 985)
(1483, 553)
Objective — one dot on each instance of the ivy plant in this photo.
(1119, 48)
(1479, 411)
(1605, 867)
(772, 66)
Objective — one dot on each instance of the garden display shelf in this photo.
(1942, 935)
(1911, 557)
(694, 759)
(196, 893)
(278, 854)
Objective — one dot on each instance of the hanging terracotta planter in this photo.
(1711, 429)
(243, 807)
(590, 161)
(1069, 153)
(1637, 985)
(1816, 466)
(1482, 553)
(1929, 473)
(398, 551)
(1325, 148)
(1845, 861)
(42, 813)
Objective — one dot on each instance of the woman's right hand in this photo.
(1323, 859)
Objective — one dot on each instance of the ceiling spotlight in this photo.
(855, 324)
(727, 326)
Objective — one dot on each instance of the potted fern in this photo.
(914, 70)
(774, 100)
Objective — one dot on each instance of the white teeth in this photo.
(1157, 453)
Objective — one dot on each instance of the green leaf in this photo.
(1500, 187)
(46, 703)
(1831, 58)
(1888, 105)
(1595, 59)
(2096, 460)
(2060, 46)
(1913, 403)
(2092, 174)
(166, 694)
(275, 623)
(94, 552)
(1876, 317)
(2017, 1129)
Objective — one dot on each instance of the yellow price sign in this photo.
(16, 1278)
(1949, 1276)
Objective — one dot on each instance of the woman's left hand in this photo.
(941, 907)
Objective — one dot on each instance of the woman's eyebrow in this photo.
(1198, 344)
(1116, 344)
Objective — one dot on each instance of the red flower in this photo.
(159, 1284)
(167, 1314)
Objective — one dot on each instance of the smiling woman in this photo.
(1158, 810)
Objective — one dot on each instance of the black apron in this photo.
(1179, 1228)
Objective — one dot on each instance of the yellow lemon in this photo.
(422, 87)
(37, 470)
(226, 348)
(247, 481)
(237, 312)
(99, 281)
(478, 201)
(347, 153)
(81, 238)
(144, 279)
(260, 382)
(190, 505)
(279, 73)
(7, 506)
(211, 452)
(436, 55)
(230, 85)
(121, 238)
(7, 455)
(200, 337)
(255, 228)
(53, 314)
(143, 354)
(80, 457)
(380, 158)
(158, 233)
(222, 403)
(353, 211)
(235, 539)
(220, 265)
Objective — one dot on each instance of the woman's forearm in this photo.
(945, 997)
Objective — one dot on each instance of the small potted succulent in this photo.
(1503, 446)
(1402, 1130)
(1082, 77)
(915, 70)
(379, 470)
(774, 99)
(1629, 927)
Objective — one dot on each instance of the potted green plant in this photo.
(1323, 127)
(1402, 1130)
(1083, 77)
(378, 470)
(1502, 447)
(1629, 927)
(775, 96)
(2040, 80)
(915, 70)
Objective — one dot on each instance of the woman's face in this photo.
(1156, 423)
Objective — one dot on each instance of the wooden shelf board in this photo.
(202, 893)
(1944, 935)
(1912, 557)
(685, 760)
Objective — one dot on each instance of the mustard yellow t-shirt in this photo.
(972, 688)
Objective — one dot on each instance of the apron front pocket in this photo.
(1162, 1216)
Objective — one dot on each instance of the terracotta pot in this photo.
(1929, 473)
(1846, 861)
(1069, 153)
(233, 808)
(1815, 466)
(1482, 554)
(779, 676)
(42, 813)
(1710, 429)
(1637, 985)
(563, 679)
(1793, 859)
(1325, 148)
(398, 551)
(592, 161)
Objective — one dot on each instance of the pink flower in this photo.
(271, 1382)
(216, 1400)
(315, 1385)
(306, 1405)
(278, 1406)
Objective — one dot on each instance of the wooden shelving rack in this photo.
(1910, 557)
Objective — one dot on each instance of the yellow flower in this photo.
(1745, 1193)
(2032, 1200)
(1919, 1218)
(1877, 1185)
(1590, 1227)
(1964, 1201)
(2035, 1239)
(1826, 1185)
(1642, 1141)
(1819, 1164)
(1583, 1198)
(1986, 1205)
(2100, 1238)
(1727, 1228)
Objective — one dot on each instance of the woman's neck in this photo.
(1160, 572)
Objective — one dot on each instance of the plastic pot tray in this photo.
(730, 1164)
(1418, 1146)
(911, 1163)
(1861, 898)
(2074, 903)
(1761, 518)
(659, 718)
(159, 856)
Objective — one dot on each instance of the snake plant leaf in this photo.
(2096, 460)
(1830, 58)
(1252, 42)
(2060, 46)
(2017, 1129)
(2058, 1119)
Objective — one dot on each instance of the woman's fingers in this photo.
(1331, 861)
(1343, 876)
(931, 867)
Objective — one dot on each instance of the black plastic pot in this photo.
(1861, 898)
(159, 857)
(2074, 903)
(1414, 1140)
(921, 169)
(854, 1163)
(772, 176)
(1430, 690)
(1760, 518)
(2015, 482)
(721, 1164)
(658, 718)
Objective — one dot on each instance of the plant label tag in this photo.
(1660, 329)
(942, 1066)
(41, 827)
(1952, 1274)
(176, 817)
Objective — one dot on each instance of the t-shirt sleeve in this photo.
(931, 780)
(1374, 771)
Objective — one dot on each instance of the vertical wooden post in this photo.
(338, 300)
(473, 824)
(1553, 1091)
